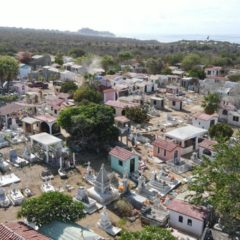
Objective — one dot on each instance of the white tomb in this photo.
(102, 191)
(47, 187)
(16, 196)
(8, 179)
(4, 200)
(90, 205)
(89, 176)
(105, 224)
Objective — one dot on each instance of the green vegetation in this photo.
(49, 207)
(87, 93)
(220, 131)
(154, 66)
(197, 73)
(190, 61)
(217, 183)
(124, 208)
(69, 87)
(234, 78)
(211, 103)
(8, 98)
(90, 125)
(148, 233)
(137, 115)
(8, 69)
(59, 59)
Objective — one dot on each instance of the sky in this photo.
(126, 17)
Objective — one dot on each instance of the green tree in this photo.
(137, 115)
(148, 233)
(166, 71)
(190, 61)
(8, 69)
(76, 52)
(49, 207)
(87, 93)
(59, 59)
(211, 103)
(69, 87)
(124, 208)
(154, 66)
(125, 56)
(220, 131)
(217, 183)
(90, 125)
(107, 62)
(197, 73)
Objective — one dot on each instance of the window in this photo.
(180, 219)
(165, 152)
(235, 118)
(154, 102)
(120, 163)
(158, 150)
(173, 103)
(189, 222)
(224, 112)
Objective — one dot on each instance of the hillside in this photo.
(94, 33)
(13, 40)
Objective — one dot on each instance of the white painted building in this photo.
(176, 103)
(206, 149)
(187, 137)
(186, 217)
(233, 118)
(203, 120)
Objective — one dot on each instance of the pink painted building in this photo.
(166, 150)
(109, 95)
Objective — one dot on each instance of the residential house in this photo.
(19, 231)
(124, 161)
(187, 137)
(203, 120)
(206, 148)
(214, 71)
(166, 150)
(157, 102)
(23, 71)
(176, 103)
(186, 217)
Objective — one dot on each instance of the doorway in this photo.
(132, 165)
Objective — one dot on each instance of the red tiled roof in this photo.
(204, 116)
(187, 209)
(122, 119)
(10, 108)
(119, 104)
(19, 231)
(121, 153)
(164, 144)
(207, 144)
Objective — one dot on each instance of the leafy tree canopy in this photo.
(90, 125)
(76, 52)
(137, 115)
(49, 207)
(154, 66)
(107, 62)
(190, 61)
(8, 68)
(125, 55)
(59, 59)
(24, 57)
(87, 93)
(197, 73)
(211, 103)
(69, 87)
(217, 182)
(148, 233)
(220, 131)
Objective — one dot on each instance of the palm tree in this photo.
(211, 103)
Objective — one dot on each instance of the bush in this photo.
(124, 208)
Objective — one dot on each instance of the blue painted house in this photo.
(124, 161)
(23, 71)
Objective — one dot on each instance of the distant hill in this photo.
(91, 32)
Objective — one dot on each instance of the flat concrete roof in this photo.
(30, 120)
(45, 139)
(185, 133)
